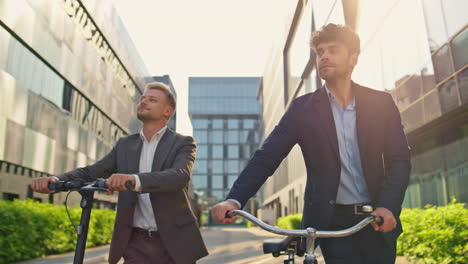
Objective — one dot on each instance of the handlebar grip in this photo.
(228, 214)
(379, 220)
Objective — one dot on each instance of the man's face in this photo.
(153, 106)
(334, 61)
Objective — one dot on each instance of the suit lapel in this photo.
(133, 154)
(322, 103)
(362, 119)
(163, 149)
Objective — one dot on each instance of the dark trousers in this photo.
(364, 247)
(146, 248)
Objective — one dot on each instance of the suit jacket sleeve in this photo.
(177, 176)
(397, 161)
(103, 168)
(267, 159)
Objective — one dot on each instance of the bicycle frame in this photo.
(309, 233)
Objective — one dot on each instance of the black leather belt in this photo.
(145, 232)
(357, 209)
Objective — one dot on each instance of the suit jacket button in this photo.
(331, 202)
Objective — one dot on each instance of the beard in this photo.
(142, 116)
(332, 75)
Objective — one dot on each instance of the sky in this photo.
(202, 38)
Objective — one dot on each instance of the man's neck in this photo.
(342, 90)
(151, 128)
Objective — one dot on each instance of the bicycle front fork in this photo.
(310, 259)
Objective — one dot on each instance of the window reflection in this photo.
(448, 95)
(460, 49)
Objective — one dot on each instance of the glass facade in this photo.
(69, 84)
(224, 129)
(423, 64)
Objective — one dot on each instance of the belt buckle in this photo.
(361, 209)
(358, 209)
(149, 233)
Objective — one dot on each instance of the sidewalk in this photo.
(97, 255)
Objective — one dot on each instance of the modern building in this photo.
(225, 118)
(166, 79)
(70, 79)
(417, 50)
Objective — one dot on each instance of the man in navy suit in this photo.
(355, 152)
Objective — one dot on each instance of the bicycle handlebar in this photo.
(78, 185)
(308, 232)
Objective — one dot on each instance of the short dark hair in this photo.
(339, 33)
(165, 89)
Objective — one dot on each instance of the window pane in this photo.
(200, 123)
(200, 181)
(201, 136)
(233, 123)
(448, 96)
(217, 151)
(202, 151)
(463, 84)
(460, 49)
(442, 63)
(200, 167)
(217, 181)
(217, 136)
(233, 166)
(231, 180)
(217, 166)
(233, 151)
(217, 123)
(233, 137)
(249, 123)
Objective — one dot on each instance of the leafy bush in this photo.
(435, 234)
(290, 222)
(30, 229)
(431, 235)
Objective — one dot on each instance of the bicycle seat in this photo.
(277, 245)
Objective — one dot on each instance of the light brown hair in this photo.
(165, 89)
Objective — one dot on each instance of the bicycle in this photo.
(290, 245)
(86, 189)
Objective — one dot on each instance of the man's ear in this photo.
(354, 59)
(168, 112)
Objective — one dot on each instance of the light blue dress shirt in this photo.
(353, 187)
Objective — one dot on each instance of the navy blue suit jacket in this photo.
(384, 151)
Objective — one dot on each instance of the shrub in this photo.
(290, 222)
(30, 229)
(435, 234)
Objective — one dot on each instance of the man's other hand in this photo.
(116, 182)
(40, 185)
(389, 220)
(218, 212)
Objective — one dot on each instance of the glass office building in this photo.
(70, 79)
(418, 51)
(225, 119)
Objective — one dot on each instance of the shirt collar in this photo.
(332, 97)
(156, 137)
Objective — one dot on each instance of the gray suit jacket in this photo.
(167, 184)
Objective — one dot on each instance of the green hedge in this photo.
(435, 234)
(30, 229)
(431, 235)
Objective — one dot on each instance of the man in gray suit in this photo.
(154, 223)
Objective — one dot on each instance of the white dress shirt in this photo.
(144, 216)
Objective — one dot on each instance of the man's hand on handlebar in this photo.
(40, 185)
(117, 182)
(389, 220)
(219, 212)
